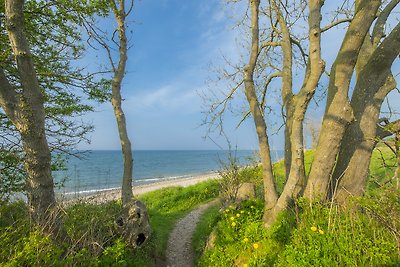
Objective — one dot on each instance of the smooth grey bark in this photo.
(270, 195)
(298, 104)
(26, 111)
(116, 101)
(338, 113)
(374, 82)
(134, 220)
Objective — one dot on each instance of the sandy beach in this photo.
(113, 194)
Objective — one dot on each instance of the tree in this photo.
(374, 81)
(40, 41)
(272, 55)
(119, 72)
(134, 222)
(26, 111)
(118, 66)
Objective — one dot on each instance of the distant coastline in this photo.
(101, 170)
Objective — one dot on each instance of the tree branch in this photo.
(8, 97)
(268, 44)
(335, 23)
(303, 53)
(388, 129)
(266, 84)
(378, 31)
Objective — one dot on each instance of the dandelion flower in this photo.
(245, 240)
(321, 231)
(314, 228)
(233, 224)
(245, 265)
(238, 215)
(232, 218)
(255, 246)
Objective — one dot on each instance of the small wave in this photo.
(135, 183)
(91, 191)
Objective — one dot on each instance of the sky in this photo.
(174, 42)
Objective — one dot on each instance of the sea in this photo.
(102, 170)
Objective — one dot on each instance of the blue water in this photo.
(102, 170)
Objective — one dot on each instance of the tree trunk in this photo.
(134, 221)
(270, 194)
(338, 113)
(374, 82)
(298, 106)
(397, 172)
(29, 118)
(119, 72)
(288, 144)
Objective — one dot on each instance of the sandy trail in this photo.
(179, 249)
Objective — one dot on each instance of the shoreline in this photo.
(106, 195)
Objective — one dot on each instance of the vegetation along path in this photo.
(179, 248)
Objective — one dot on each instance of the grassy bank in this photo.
(91, 229)
(312, 234)
(309, 234)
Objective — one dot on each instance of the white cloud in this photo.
(169, 98)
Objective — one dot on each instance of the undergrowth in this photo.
(367, 233)
(93, 240)
(309, 235)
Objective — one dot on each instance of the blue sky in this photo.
(174, 43)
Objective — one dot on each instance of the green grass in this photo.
(314, 234)
(91, 228)
(204, 228)
(382, 168)
(165, 207)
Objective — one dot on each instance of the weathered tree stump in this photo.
(134, 224)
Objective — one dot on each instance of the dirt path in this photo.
(179, 249)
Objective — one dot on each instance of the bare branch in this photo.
(378, 31)
(245, 116)
(268, 44)
(298, 44)
(388, 128)
(335, 23)
(130, 8)
(8, 98)
(266, 84)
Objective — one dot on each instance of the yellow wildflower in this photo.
(242, 211)
(245, 240)
(321, 231)
(233, 224)
(252, 207)
(232, 218)
(227, 210)
(245, 265)
(314, 228)
(255, 246)
(238, 215)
